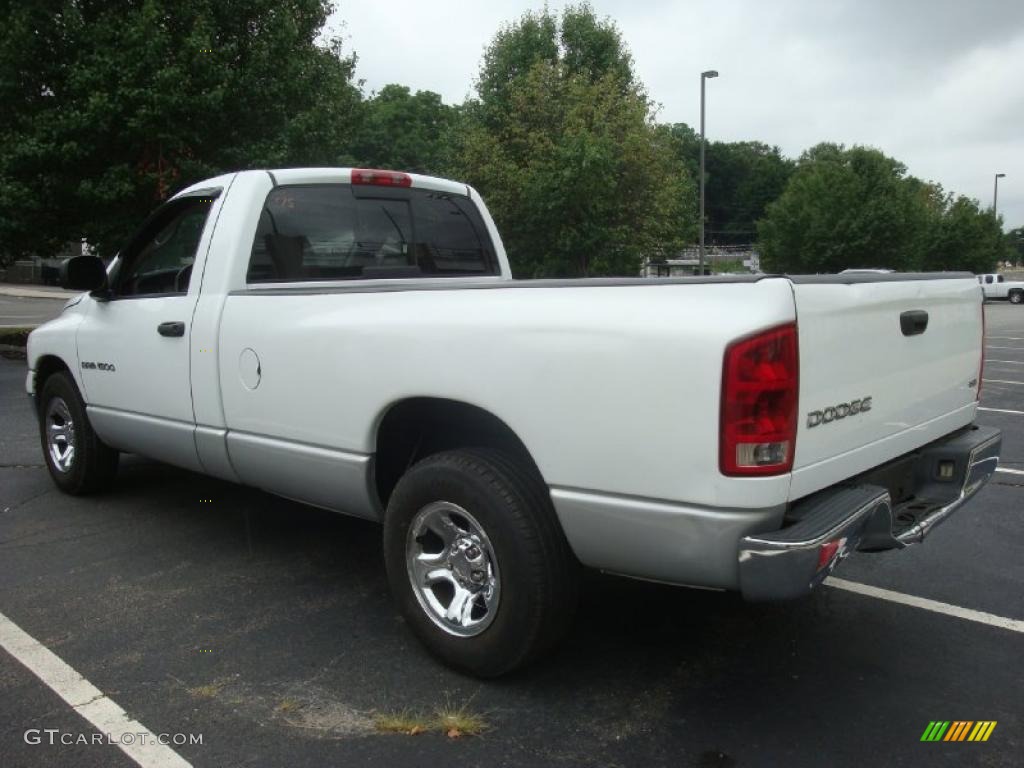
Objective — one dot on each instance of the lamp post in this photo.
(703, 76)
(995, 194)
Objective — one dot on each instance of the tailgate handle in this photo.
(913, 322)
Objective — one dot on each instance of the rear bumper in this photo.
(890, 507)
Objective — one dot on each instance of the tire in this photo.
(505, 529)
(1016, 297)
(78, 461)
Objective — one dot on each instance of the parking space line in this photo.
(1006, 338)
(1003, 381)
(1009, 471)
(993, 346)
(88, 700)
(980, 617)
(1000, 410)
(1010, 362)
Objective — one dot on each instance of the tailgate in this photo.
(861, 337)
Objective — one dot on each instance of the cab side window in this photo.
(159, 259)
(988, 279)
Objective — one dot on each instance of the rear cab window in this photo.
(336, 231)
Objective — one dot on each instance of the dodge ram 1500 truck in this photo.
(353, 339)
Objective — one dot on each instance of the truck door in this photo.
(133, 347)
(988, 288)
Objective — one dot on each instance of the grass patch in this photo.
(287, 705)
(402, 722)
(206, 691)
(454, 722)
(16, 337)
(459, 721)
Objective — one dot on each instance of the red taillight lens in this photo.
(760, 383)
(381, 178)
(827, 552)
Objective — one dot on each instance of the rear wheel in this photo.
(477, 562)
(78, 461)
(1016, 297)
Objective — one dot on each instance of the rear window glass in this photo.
(327, 232)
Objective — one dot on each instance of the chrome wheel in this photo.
(60, 435)
(452, 568)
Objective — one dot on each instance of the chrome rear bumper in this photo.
(930, 484)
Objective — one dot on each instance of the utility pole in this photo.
(703, 76)
(995, 195)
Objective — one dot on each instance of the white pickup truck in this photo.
(998, 287)
(353, 339)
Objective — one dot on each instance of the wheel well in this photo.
(418, 427)
(45, 368)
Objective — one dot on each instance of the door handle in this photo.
(175, 328)
(913, 322)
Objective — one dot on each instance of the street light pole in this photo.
(995, 195)
(703, 76)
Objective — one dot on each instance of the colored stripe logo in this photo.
(958, 730)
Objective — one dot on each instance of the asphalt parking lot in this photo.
(17, 311)
(200, 607)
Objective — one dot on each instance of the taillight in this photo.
(381, 178)
(760, 383)
(828, 552)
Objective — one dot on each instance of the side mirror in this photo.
(84, 273)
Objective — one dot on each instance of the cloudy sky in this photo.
(937, 84)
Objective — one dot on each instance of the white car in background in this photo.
(998, 287)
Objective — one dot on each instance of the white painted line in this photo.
(1010, 362)
(1006, 338)
(1003, 381)
(1010, 471)
(1000, 410)
(993, 346)
(88, 700)
(935, 606)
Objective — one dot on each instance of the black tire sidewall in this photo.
(77, 480)
(500, 510)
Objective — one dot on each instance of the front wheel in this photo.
(477, 562)
(1017, 297)
(79, 462)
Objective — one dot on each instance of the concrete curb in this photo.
(36, 293)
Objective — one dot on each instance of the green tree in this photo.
(845, 208)
(406, 131)
(112, 105)
(1015, 245)
(964, 237)
(563, 145)
(742, 177)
